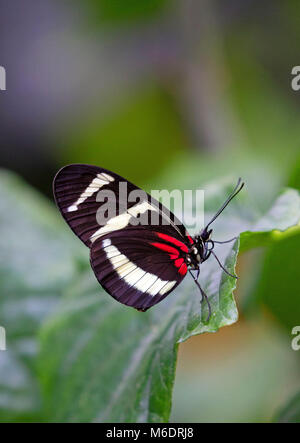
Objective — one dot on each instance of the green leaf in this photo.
(277, 284)
(101, 361)
(284, 214)
(277, 278)
(281, 294)
(290, 413)
(119, 364)
(36, 262)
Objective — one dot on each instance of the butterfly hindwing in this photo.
(136, 272)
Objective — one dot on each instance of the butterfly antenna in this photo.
(227, 241)
(239, 186)
(204, 296)
(221, 266)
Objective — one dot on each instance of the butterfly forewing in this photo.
(138, 264)
(76, 188)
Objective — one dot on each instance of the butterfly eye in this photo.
(195, 250)
(188, 260)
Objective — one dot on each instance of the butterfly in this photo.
(139, 250)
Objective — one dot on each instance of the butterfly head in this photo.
(203, 244)
(205, 235)
(201, 248)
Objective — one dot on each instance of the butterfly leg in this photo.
(203, 294)
(204, 297)
(222, 267)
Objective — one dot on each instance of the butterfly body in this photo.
(139, 250)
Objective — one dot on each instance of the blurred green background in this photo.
(174, 93)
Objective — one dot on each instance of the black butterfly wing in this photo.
(76, 188)
(139, 267)
(137, 264)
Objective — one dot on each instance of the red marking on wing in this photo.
(190, 239)
(166, 248)
(173, 253)
(173, 240)
(183, 269)
(178, 262)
